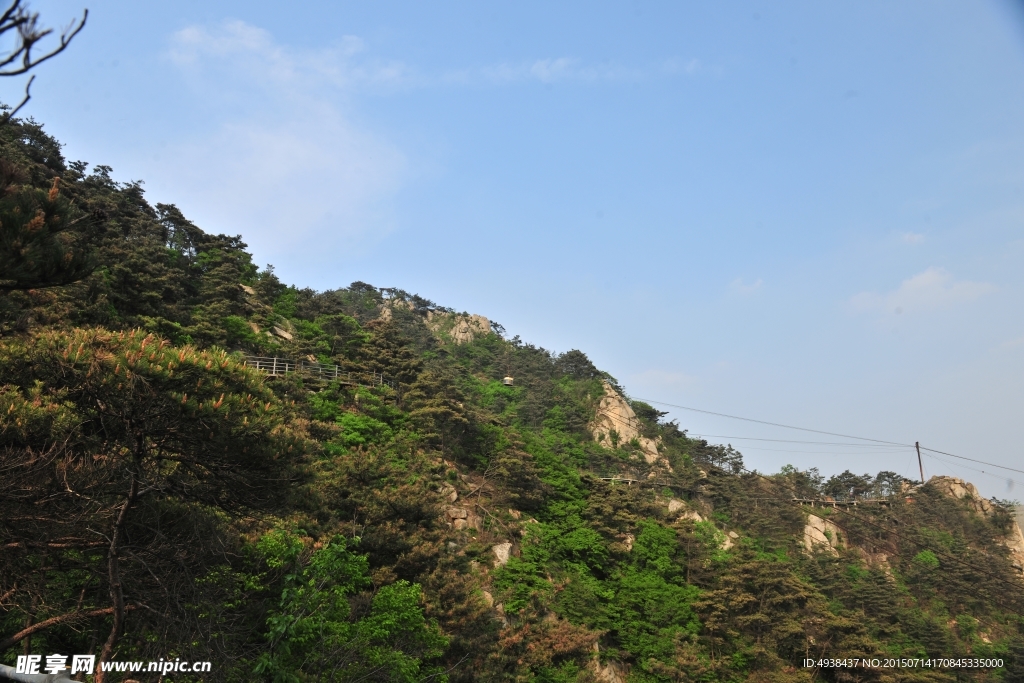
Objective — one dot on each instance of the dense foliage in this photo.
(161, 499)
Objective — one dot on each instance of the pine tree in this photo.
(437, 409)
(38, 247)
(389, 353)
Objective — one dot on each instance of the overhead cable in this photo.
(774, 424)
(818, 431)
(991, 464)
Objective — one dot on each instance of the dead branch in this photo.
(19, 19)
(55, 621)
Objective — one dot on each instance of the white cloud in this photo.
(276, 154)
(932, 289)
(551, 70)
(566, 69)
(345, 64)
(242, 47)
(912, 238)
(281, 161)
(740, 287)
(312, 175)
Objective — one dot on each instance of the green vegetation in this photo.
(161, 499)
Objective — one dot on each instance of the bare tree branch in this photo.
(28, 95)
(20, 59)
(18, 18)
(55, 621)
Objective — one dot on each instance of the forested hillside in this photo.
(160, 499)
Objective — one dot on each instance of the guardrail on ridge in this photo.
(282, 366)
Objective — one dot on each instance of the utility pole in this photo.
(917, 445)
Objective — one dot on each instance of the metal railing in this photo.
(283, 366)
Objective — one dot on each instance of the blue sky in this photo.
(803, 212)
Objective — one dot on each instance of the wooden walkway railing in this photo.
(826, 502)
(282, 366)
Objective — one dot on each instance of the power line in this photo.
(773, 424)
(939, 552)
(973, 469)
(792, 493)
(875, 443)
(818, 431)
(918, 544)
(790, 450)
(991, 464)
(817, 443)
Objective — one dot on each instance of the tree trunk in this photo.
(114, 576)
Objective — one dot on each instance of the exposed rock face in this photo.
(616, 423)
(462, 328)
(502, 551)
(461, 518)
(965, 490)
(449, 492)
(821, 533)
(469, 327)
(611, 671)
(1015, 542)
(390, 304)
(960, 489)
(1019, 518)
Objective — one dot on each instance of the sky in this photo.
(802, 213)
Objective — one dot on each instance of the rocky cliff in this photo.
(460, 328)
(616, 424)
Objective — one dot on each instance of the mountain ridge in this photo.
(453, 526)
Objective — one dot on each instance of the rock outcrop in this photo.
(962, 490)
(966, 491)
(1015, 542)
(616, 424)
(461, 328)
(822, 533)
(463, 518)
(502, 552)
(675, 505)
(389, 305)
(610, 671)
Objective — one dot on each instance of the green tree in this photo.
(389, 353)
(315, 633)
(437, 409)
(653, 607)
(144, 432)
